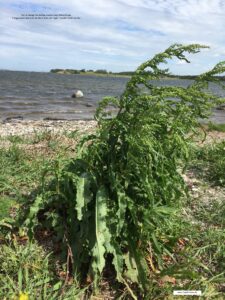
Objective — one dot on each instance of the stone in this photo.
(78, 94)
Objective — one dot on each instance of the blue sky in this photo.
(115, 35)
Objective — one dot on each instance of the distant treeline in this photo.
(124, 73)
(74, 71)
(82, 71)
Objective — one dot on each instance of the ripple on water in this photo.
(36, 95)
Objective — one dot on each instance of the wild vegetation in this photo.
(116, 207)
(216, 127)
(211, 159)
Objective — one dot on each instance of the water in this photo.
(35, 95)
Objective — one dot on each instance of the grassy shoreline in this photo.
(24, 160)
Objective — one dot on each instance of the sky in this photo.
(116, 35)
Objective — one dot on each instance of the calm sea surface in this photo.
(34, 95)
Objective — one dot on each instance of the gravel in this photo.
(22, 127)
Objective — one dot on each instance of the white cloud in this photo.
(119, 33)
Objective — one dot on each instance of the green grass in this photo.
(6, 203)
(19, 170)
(24, 161)
(216, 127)
(198, 264)
(29, 269)
(210, 160)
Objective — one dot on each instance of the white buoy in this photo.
(78, 94)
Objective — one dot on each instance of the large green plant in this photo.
(126, 178)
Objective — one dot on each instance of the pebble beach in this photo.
(29, 127)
